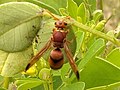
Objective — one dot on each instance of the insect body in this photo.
(58, 41)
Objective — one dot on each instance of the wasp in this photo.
(58, 41)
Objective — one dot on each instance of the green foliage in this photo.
(28, 83)
(99, 72)
(16, 35)
(95, 48)
(82, 12)
(72, 8)
(24, 30)
(11, 26)
(113, 57)
(75, 86)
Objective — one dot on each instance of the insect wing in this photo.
(71, 60)
(38, 55)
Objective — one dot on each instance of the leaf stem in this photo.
(93, 31)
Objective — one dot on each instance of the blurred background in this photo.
(112, 7)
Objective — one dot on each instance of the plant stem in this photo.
(45, 86)
(6, 82)
(85, 28)
(50, 84)
(93, 31)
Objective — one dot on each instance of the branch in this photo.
(93, 31)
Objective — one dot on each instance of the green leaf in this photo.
(72, 8)
(13, 63)
(16, 27)
(44, 35)
(97, 15)
(44, 74)
(65, 72)
(82, 12)
(114, 86)
(17, 30)
(24, 80)
(56, 82)
(92, 4)
(29, 84)
(45, 5)
(101, 25)
(56, 3)
(3, 88)
(5, 1)
(114, 57)
(96, 47)
(99, 72)
(40, 87)
(79, 39)
(53, 6)
(78, 2)
(75, 86)
(63, 12)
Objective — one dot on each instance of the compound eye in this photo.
(55, 23)
(65, 23)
